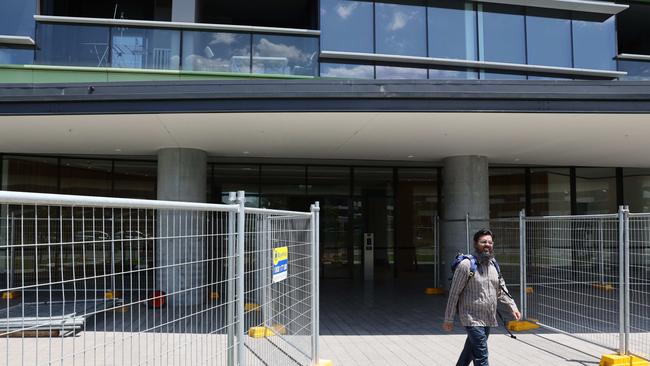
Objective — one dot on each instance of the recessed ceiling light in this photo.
(411, 156)
(246, 153)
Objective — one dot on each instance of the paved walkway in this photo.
(395, 323)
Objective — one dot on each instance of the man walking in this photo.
(476, 288)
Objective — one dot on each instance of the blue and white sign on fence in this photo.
(280, 263)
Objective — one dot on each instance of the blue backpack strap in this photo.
(461, 257)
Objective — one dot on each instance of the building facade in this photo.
(399, 117)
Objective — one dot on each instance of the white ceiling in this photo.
(510, 138)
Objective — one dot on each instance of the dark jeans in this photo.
(476, 348)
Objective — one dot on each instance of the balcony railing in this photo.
(175, 46)
(636, 66)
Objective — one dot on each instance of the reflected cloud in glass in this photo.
(392, 72)
(401, 29)
(289, 55)
(216, 51)
(347, 71)
(346, 25)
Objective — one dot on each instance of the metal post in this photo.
(267, 311)
(522, 264)
(601, 255)
(626, 240)
(467, 232)
(314, 224)
(621, 280)
(241, 222)
(436, 243)
(230, 306)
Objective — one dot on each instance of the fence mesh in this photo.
(572, 265)
(278, 298)
(101, 281)
(639, 294)
(506, 248)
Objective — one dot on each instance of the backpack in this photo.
(472, 264)
(473, 267)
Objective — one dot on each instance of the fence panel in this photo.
(99, 281)
(506, 248)
(572, 263)
(639, 284)
(278, 289)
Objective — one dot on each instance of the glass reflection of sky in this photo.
(392, 72)
(347, 71)
(284, 54)
(594, 44)
(346, 26)
(401, 29)
(216, 51)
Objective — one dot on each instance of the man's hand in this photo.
(516, 314)
(448, 326)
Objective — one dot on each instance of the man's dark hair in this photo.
(482, 232)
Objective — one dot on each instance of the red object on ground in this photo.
(158, 299)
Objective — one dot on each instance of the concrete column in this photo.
(465, 190)
(184, 11)
(182, 175)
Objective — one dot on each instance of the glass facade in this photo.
(550, 191)
(289, 55)
(397, 205)
(452, 30)
(400, 29)
(507, 192)
(216, 51)
(145, 48)
(72, 45)
(596, 191)
(17, 17)
(594, 43)
(548, 37)
(349, 25)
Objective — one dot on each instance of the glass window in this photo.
(594, 43)
(550, 191)
(216, 51)
(283, 180)
(502, 75)
(17, 17)
(346, 26)
(595, 191)
(548, 36)
(636, 70)
(16, 56)
(232, 178)
(452, 30)
(507, 192)
(417, 205)
(30, 174)
(72, 45)
(379, 181)
(392, 72)
(288, 55)
(347, 71)
(145, 48)
(636, 189)
(451, 74)
(135, 179)
(501, 31)
(328, 181)
(86, 177)
(400, 29)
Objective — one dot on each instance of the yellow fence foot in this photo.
(521, 325)
(214, 295)
(529, 290)
(250, 306)
(622, 360)
(434, 291)
(322, 362)
(9, 295)
(604, 286)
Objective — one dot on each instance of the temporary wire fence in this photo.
(103, 281)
